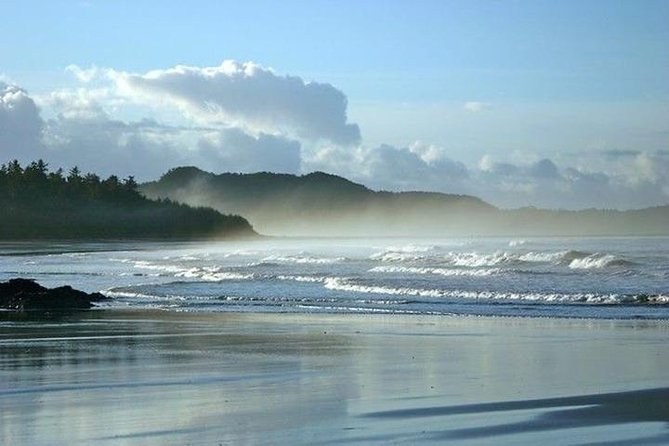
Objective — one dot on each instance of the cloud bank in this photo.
(242, 117)
(641, 180)
(246, 94)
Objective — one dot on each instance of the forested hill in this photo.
(315, 204)
(323, 204)
(38, 203)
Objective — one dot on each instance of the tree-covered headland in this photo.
(36, 202)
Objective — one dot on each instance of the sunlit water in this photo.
(620, 278)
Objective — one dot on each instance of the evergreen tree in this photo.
(37, 203)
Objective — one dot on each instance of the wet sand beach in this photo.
(167, 378)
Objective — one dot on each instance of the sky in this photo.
(550, 104)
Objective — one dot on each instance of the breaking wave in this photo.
(213, 274)
(310, 279)
(302, 259)
(206, 273)
(343, 284)
(118, 293)
(405, 253)
(438, 271)
(597, 261)
(571, 258)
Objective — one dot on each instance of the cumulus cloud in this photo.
(417, 167)
(83, 133)
(245, 118)
(632, 179)
(89, 138)
(20, 123)
(232, 150)
(644, 181)
(85, 75)
(250, 96)
(82, 130)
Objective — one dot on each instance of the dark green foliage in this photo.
(314, 191)
(36, 203)
(318, 203)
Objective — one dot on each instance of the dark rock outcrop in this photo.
(26, 294)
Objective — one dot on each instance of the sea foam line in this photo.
(206, 273)
(436, 271)
(571, 258)
(342, 284)
(299, 259)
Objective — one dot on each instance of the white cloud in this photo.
(417, 167)
(232, 150)
(247, 119)
(83, 132)
(20, 123)
(84, 75)
(637, 182)
(250, 96)
(94, 141)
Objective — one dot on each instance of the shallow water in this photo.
(615, 278)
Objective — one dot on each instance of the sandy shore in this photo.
(158, 378)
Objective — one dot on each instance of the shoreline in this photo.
(38, 313)
(385, 314)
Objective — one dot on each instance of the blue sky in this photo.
(373, 50)
(483, 83)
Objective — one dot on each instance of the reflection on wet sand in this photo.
(161, 378)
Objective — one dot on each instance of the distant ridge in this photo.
(266, 183)
(322, 204)
(317, 203)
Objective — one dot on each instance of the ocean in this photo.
(601, 278)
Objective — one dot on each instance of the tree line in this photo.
(39, 203)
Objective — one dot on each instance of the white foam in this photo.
(541, 257)
(437, 271)
(396, 257)
(596, 261)
(313, 279)
(574, 259)
(659, 299)
(128, 294)
(342, 284)
(207, 273)
(476, 260)
(411, 248)
(405, 253)
(472, 259)
(298, 259)
(213, 274)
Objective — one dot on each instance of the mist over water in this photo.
(324, 205)
(618, 278)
